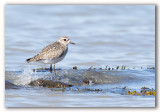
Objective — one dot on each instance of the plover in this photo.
(52, 53)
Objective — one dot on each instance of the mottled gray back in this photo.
(51, 51)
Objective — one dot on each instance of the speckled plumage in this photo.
(52, 53)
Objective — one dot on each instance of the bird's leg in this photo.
(55, 73)
(51, 70)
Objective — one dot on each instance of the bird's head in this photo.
(65, 40)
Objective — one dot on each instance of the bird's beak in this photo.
(71, 42)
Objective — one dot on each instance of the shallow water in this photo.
(112, 35)
(50, 99)
(108, 84)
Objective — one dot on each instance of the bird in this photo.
(52, 53)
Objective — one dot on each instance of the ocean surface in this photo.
(105, 35)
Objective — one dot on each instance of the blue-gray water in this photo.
(112, 35)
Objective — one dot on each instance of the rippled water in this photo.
(112, 35)
(110, 84)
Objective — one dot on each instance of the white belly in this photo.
(51, 61)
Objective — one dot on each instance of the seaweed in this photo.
(75, 68)
(89, 68)
(144, 91)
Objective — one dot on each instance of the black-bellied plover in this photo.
(52, 53)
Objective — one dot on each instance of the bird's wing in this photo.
(51, 51)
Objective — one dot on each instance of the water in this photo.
(82, 94)
(112, 35)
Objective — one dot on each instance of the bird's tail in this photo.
(29, 60)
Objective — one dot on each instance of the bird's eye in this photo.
(64, 39)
